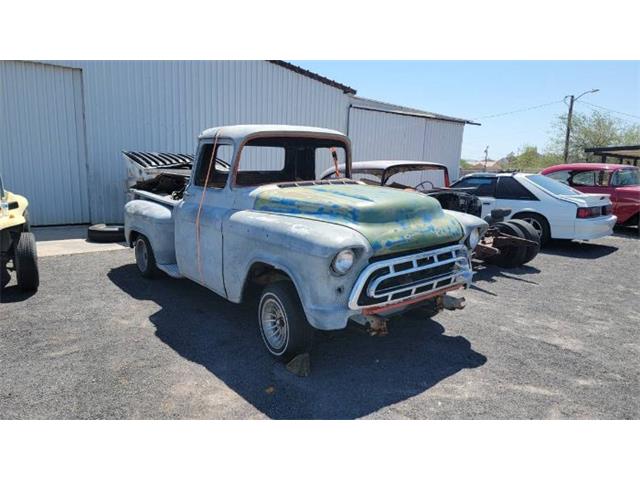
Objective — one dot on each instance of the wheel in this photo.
(509, 256)
(25, 261)
(282, 322)
(102, 233)
(145, 260)
(530, 233)
(4, 276)
(538, 222)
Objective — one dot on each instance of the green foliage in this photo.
(465, 165)
(595, 130)
(529, 159)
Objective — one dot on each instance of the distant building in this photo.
(65, 123)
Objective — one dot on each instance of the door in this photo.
(484, 188)
(198, 219)
(511, 194)
(42, 140)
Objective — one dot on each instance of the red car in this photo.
(622, 182)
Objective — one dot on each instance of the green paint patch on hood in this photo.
(392, 220)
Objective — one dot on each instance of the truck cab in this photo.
(322, 252)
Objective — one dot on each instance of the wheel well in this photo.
(133, 236)
(529, 214)
(261, 274)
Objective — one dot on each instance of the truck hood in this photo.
(391, 220)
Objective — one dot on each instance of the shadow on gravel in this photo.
(487, 273)
(14, 294)
(577, 249)
(352, 374)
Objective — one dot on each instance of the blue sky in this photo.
(473, 89)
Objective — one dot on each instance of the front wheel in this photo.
(283, 325)
(25, 262)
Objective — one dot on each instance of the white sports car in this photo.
(553, 208)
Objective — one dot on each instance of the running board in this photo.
(170, 269)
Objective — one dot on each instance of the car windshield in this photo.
(552, 185)
(627, 176)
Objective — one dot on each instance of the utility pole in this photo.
(486, 157)
(572, 99)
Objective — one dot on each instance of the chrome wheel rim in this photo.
(274, 324)
(535, 224)
(142, 255)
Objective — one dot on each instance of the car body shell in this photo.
(560, 211)
(625, 198)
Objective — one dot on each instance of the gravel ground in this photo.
(559, 338)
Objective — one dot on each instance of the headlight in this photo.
(343, 261)
(474, 238)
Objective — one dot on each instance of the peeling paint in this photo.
(392, 220)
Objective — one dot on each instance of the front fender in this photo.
(303, 249)
(154, 221)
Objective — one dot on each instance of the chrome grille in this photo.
(400, 278)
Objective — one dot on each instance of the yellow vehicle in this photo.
(17, 243)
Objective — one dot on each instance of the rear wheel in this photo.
(26, 262)
(530, 233)
(510, 256)
(145, 259)
(283, 325)
(538, 222)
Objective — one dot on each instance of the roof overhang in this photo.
(631, 152)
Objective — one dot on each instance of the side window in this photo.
(510, 188)
(561, 176)
(585, 179)
(603, 177)
(484, 186)
(219, 171)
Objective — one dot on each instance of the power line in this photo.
(520, 110)
(610, 109)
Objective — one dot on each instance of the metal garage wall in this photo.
(163, 106)
(42, 150)
(378, 135)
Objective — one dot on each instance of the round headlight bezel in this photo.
(474, 238)
(343, 261)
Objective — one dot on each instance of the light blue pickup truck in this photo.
(247, 211)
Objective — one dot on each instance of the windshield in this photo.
(626, 176)
(552, 185)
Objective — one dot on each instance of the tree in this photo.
(595, 130)
(530, 159)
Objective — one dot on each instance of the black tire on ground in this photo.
(4, 276)
(539, 223)
(145, 259)
(530, 233)
(509, 256)
(26, 262)
(283, 325)
(102, 233)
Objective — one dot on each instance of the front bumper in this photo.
(592, 228)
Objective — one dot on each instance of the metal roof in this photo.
(381, 165)
(619, 151)
(238, 132)
(378, 106)
(314, 76)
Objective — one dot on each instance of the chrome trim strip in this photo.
(462, 276)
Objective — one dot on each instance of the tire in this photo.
(279, 303)
(25, 261)
(102, 233)
(539, 223)
(145, 259)
(530, 233)
(509, 256)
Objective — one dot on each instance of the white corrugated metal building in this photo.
(63, 124)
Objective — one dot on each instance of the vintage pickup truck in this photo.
(250, 213)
